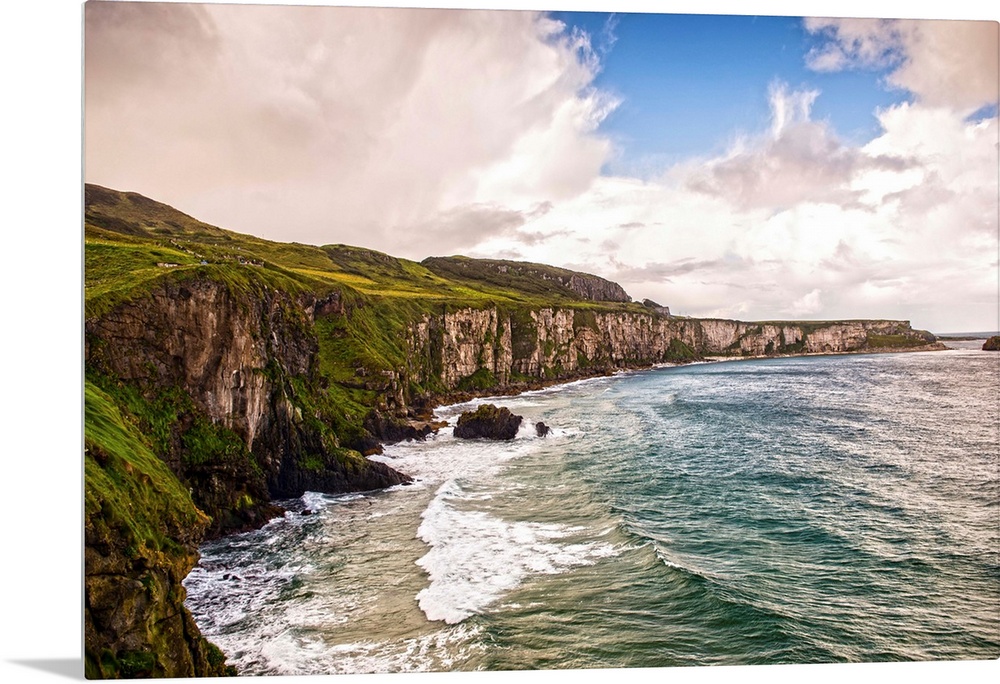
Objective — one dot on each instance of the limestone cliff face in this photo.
(474, 339)
(554, 343)
(242, 360)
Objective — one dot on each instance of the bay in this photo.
(793, 510)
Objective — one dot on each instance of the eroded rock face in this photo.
(488, 422)
(553, 343)
(134, 612)
(992, 344)
(196, 335)
(238, 357)
(474, 339)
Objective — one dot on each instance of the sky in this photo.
(750, 167)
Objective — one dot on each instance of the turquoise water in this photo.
(797, 510)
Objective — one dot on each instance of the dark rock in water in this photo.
(992, 344)
(488, 422)
(307, 512)
(541, 429)
(391, 429)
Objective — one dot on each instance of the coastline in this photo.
(517, 389)
(458, 398)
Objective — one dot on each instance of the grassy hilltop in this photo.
(130, 239)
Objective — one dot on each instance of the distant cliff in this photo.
(491, 349)
(225, 372)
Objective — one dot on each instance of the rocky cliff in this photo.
(141, 534)
(492, 348)
(225, 378)
(218, 385)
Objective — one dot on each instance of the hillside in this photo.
(548, 281)
(241, 371)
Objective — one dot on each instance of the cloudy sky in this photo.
(737, 166)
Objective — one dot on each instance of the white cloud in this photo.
(807, 305)
(800, 161)
(794, 223)
(323, 124)
(943, 63)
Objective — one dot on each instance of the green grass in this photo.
(895, 341)
(131, 495)
(679, 352)
(482, 379)
(127, 236)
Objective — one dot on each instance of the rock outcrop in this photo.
(992, 344)
(488, 422)
(528, 277)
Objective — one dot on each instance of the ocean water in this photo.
(796, 510)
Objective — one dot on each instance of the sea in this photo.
(819, 509)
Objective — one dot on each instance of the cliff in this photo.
(237, 371)
(141, 531)
(489, 350)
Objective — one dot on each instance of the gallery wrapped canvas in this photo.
(434, 340)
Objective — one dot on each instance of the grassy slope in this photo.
(124, 246)
(140, 524)
(128, 487)
(537, 281)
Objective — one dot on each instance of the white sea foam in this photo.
(276, 648)
(475, 557)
